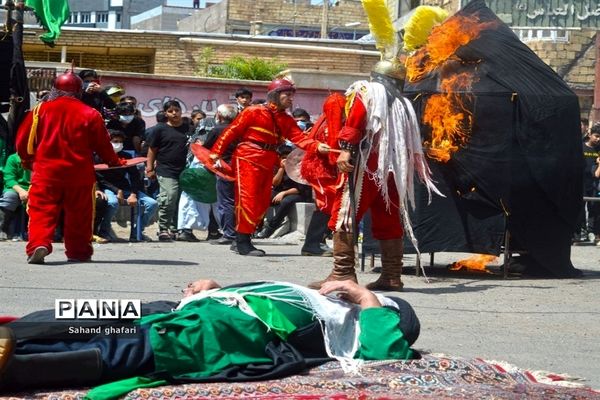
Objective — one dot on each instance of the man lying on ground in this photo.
(245, 332)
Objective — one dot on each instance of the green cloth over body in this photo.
(207, 336)
(52, 14)
(199, 184)
(380, 338)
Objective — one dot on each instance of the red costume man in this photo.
(259, 130)
(320, 170)
(382, 130)
(57, 141)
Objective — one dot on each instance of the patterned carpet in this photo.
(433, 377)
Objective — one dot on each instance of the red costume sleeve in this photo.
(356, 122)
(234, 131)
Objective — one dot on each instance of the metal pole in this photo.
(10, 6)
(506, 253)
(324, 18)
(294, 20)
(19, 15)
(596, 106)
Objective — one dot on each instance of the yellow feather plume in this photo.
(381, 27)
(421, 23)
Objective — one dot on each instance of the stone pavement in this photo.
(539, 324)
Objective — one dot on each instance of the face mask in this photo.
(117, 147)
(126, 118)
(289, 144)
(302, 125)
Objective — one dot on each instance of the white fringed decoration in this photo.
(338, 318)
(393, 133)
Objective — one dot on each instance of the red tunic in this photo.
(386, 224)
(320, 170)
(68, 132)
(259, 130)
(60, 149)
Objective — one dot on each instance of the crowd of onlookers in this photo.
(588, 227)
(171, 187)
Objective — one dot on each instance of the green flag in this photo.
(51, 14)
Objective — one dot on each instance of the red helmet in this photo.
(281, 85)
(69, 82)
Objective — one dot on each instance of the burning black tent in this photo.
(520, 168)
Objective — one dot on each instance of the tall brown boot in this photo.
(343, 260)
(391, 266)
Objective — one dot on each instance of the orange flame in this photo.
(477, 262)
(442, 44)
(447, 113)
(448, 116)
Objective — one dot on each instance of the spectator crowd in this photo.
(588, 225)
(171, 187)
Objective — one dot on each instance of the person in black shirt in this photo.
(225, 115)
(133, 127)
(284, 195)
(302, 118)
(197, 116)
(166, 160)
(123, 186)
(585, 126)
(243, 98)
(93, 94)
(591, 152)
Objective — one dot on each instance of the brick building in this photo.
(172, 53)
(571, 53)
(345, 19)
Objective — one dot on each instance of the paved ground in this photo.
(539, 324)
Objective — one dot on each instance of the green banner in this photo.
(51, 14)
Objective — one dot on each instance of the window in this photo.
(118, 17)
(550, 35)
(102, 17)
(86, 18)
(73, 18)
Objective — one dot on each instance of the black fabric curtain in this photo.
(18, 83)
(521, 167)
(6, 54)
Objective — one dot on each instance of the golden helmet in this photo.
(391, 68)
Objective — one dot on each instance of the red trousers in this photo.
(386, 224)
(45, 204)
(254, 170)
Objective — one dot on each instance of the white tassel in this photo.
(393, 133)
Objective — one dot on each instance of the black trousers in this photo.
(123, 356)
(226, 207)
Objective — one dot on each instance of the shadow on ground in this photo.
(132, 263)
